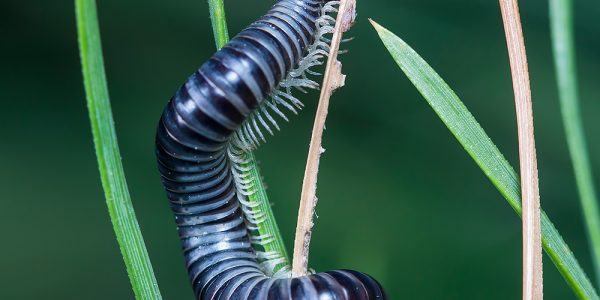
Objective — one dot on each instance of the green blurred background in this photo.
(399, 198)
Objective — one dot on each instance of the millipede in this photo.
(202, 139)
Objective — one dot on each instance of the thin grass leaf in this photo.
(480, 147)
(269, 226)
(119, 204)
(561, 21)
(219, 22)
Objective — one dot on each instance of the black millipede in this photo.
(203, 133)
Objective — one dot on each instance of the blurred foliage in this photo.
(57, 239)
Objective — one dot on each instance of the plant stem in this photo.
(120, 209)
(530, 194)
(269, 226)
(561, 20)
(332, 80)
(219, 22)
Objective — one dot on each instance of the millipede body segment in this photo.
(205, 129)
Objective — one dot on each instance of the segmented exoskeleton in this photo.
(202, 138)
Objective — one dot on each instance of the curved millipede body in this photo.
(213, 118)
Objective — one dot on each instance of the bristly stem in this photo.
(112, 175)
(561, 20)
(530, 194)
(332, 80)
(269, 226)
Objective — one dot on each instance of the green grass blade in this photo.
(561, 21)
(219, 22)
(269, 226)
(480, 147)
(119, 204)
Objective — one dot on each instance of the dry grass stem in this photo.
(333, 79)
(532, 247)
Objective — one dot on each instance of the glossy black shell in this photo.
(191, 144)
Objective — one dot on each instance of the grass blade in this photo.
(117, 196)
(219, 22)
(561, 21)
(269, 226)
(480, 147)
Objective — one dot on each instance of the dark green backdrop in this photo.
(399, 198)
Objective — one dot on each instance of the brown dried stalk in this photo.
(333, 79)
(532, 246)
